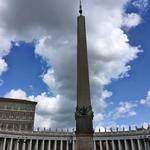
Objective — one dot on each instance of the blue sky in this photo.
(40, 63)
(135, 86)
(24, 70)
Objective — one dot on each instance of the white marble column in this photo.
(139, 144)
(1, 144)
(132, 145)
(4, 144)
(61, 145)
(30, 144)
(55, 145)
(113, 145)
(120, 146)
(43, 144)
(17, 145)
(101, 146)
(36, 144)
(126, 145)
(144, 146)
(49, 145)
(94, 144)
(67, 145)
(73, 144)
(107, 146)
(24, 144)
(11, 142)
(148, 144)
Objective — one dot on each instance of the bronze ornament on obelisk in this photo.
(84, 113)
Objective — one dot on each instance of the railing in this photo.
(72, 130)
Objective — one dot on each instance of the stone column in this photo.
(145, 145)
(43, 144)
(36, 145)
(113, 145)
(139, 144)
(11, 142)
(67, 145)
(148, 144)
(24, 144)
(1, 144)
(107, 146)
(4, 144)
(61, 145)
(120, 146)
(55, 145)
(17, 145)
(73, 144)
(132, 145)
(30, 144)
(49, 145)
(126, 145)
(94, 144)
(101, 146)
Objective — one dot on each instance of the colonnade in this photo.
(35, 144)
(100, 143)
(122, 144)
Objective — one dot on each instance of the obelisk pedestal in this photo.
(84, 142)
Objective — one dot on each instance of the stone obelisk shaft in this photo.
(83, 88)
(84, 113)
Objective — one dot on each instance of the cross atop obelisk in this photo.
(80, 10)
(84, 113)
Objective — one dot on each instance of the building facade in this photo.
(16, 114)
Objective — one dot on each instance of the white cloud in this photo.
(5, 44)
(132, 20)
(143, 5)
(125, 109)
(19, 94)
(49, 79)
(46, 109)
(55, 33)
(109, 53)
(146, 101)
(3, 66)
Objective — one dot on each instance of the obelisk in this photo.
(84, 113)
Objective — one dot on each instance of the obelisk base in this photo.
(84, 142)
